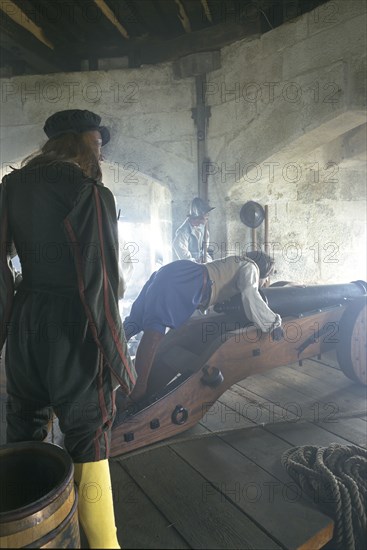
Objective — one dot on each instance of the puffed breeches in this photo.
(54, 365)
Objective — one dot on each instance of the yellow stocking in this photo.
(95, 506)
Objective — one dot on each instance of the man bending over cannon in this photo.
(176, 290)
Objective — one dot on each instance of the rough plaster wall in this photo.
(283, 107)
(152, 139)
(145, 109)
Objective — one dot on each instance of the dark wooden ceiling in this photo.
(50, 36)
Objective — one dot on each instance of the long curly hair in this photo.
(264, 262)
(70, 147)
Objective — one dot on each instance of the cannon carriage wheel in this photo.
(352, 346)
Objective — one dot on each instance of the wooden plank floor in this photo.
(221, 484)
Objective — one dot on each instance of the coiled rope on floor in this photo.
(335, 478)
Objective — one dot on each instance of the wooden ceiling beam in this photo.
(54, 20)
(135, 11)
(18, 16)
(206, 9)
(152, 50)
(38, 62)
(183, 17)
(108, 13)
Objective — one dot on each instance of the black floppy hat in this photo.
(199, 207)
(75, 120)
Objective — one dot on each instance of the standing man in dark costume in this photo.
(176, 290)
(66, 349)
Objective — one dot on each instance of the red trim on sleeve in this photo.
(81, 288)
(109, 317)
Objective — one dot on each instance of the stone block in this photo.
(230, 118)
(155, 127)
(285, 36)
(333, 13)
(245, 81)
(354, 145)
(326, 48)
(195, 64)
(245, 51)
(185, 148)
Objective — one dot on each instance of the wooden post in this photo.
(254, 238)
(201, 123)
(266, 232)
(205, 244)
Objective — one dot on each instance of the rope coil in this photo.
(335, 477)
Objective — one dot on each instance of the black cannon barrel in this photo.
(293, 299)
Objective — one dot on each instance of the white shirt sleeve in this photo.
(206, 243)
(256, 309)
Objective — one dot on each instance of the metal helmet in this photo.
(252, 214)
(199, 207)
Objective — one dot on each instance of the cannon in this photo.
(199, 361)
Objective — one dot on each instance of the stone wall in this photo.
(286, 108)
(287, 129)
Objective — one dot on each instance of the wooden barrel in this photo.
(38, 502)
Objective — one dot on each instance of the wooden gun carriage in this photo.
(198, 362)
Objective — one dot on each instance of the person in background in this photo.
(192, 237)
(65, 346)
(176, 290)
